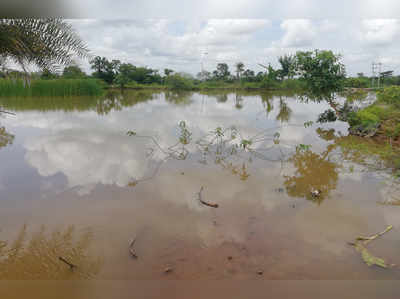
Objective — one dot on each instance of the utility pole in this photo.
(202, 58)
(374, 70)
(376, 73)
(379, 74)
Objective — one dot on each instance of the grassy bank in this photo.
(50, 88)
(381, 119)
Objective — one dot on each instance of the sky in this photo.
(190, 45)
(194, 34)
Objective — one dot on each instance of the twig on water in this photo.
(132, 250)
(72, 266)
(369, 239)
(361, 246)
(212, 205)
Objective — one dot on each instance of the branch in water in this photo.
(72, 266)
(212, 205)
(132, 250)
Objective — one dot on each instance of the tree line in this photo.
(320, 71)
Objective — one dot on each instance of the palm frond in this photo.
(45, 43)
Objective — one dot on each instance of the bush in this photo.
(178, 82)
(249, 85)
(363, 118)
(293, 84)
(390, 95)
(269, 83)
(362, 82)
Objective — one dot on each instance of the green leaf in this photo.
(370, 259)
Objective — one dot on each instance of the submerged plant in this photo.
(245, 144)
(5, 137)
(185, 135)
(303, 147)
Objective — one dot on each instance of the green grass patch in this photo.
(50, 88)
(390, 95)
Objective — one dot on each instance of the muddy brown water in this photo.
(77, 168)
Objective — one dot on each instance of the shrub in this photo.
(366, 118)
(269, 83)
(178, 82)
(390, 95)
(357, 82)
(293, 84)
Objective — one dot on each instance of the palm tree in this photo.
(239, 69)
(45, 43)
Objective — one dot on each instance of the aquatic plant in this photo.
(5, 137)
(185, 135)
(222, 144)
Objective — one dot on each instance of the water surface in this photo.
(70, 162)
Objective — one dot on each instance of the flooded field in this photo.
(206, 186)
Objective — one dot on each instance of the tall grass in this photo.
(50, 88)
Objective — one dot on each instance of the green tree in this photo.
(222, 71)
(270, 78)
(126, 73)
(42, 42)
(177, 81)
(249, 76)
(288, 66)
(48, 74)
(73, 72)
(121, 80)
(167, 72)
(104, 69)
(322, 72)
(204, 75)
(239, 69)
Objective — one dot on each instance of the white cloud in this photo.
(181, 44)
(298, 33)
(238, 26)
(380, 32)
